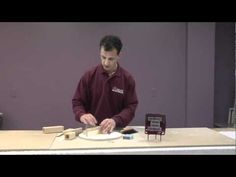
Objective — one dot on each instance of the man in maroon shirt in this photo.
(106, 94)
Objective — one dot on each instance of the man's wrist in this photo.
(114, 122)
(78, 115)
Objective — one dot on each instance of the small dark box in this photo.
(155, 124)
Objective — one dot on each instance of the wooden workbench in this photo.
(25, 140)
(176, 141)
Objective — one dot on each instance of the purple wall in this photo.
(200, 74)
(41, 64)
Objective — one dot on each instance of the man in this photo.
(106, 94)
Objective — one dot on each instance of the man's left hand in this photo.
(107, 125)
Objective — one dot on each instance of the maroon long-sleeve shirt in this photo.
(106, 97)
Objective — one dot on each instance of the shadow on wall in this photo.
(1, 120)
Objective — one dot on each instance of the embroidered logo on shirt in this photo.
(115, 89)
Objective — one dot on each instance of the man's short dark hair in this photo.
(111, 42)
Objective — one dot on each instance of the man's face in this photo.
(109, 59)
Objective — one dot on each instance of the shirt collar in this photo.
(117, 73)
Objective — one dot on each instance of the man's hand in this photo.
(107, 125)
(88, 119)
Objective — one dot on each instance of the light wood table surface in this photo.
(200, 140)
(25, 140)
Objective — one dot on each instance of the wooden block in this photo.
(76, 130)
(94, 128)
(70, 135)
(93, 131)
(53, 129)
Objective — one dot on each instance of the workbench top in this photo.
(184, 139)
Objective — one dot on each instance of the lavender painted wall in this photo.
(41, 64)
(200, 74)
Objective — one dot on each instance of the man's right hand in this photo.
(88, 119)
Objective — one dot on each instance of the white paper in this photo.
(230, 134)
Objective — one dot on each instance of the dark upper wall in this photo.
(41, 64)
(224, 72)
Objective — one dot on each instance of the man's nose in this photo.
(106, 62)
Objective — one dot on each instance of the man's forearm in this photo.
(78, 109)
(125, 116)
